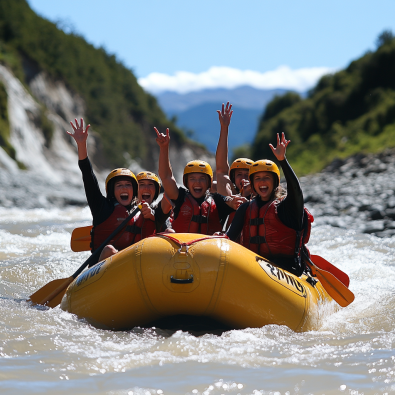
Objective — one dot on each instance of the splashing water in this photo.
(49, 351)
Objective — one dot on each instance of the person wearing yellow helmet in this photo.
(149, 186)
(121, 185)
(195, 209)
(274, 224)
(234, 179)
(109, 211)
(153, 216)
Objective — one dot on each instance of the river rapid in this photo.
(49, 351)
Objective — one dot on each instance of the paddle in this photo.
(81, 239)
(52, 293)
(325, 265)
(335, 288)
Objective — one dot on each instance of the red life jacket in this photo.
(141, 227)
(193, 218)
(266, 235)
(138, 228)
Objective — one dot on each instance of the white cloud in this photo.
(227, 77)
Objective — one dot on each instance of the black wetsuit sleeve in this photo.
(223, 209)
(160, 218)
(238, 222)
(99, 205)
(290, 210)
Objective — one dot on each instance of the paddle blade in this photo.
(327, 266)
(81, 239)
(52, 293)
(335, 288)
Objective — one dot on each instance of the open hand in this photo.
(163, 140)
(225, 114)
(235, 201)
(80, 135)
(246, 188)
(279, 151)
(147, 211)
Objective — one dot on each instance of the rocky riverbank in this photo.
(27, 189)
(356, 193)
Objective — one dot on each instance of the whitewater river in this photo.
(49, 351)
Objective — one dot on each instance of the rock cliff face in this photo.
(52, 176)
(24, 111)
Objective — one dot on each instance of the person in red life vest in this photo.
(233, 180)
(195, 209)
(153, 220)
(274, 225)
(109, 211)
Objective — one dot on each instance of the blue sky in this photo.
(160, 39)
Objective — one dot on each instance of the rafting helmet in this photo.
(121, 172)
(198, 166)
(264, 165)
(147, 175)
(240, 163)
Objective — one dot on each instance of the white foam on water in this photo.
(352, 348)
(15, 215)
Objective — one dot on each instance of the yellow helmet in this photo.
(240, 163)
(122, 172)
(198, 166)
(264, 165)
(147, 175)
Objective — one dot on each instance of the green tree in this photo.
(347, 112)
(384, 38)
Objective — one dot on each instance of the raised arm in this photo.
(165, 172)
(80, 136)
(224, 185)
(165, 205)
(290, 209)
(95, 198)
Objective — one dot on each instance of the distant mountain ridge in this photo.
(196, 112)
(243, 97)
(203, 121)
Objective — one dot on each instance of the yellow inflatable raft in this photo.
(193, 275)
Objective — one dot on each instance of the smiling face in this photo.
(197, 183)
(263, 182)
(240, 175)
(123, 192)
(146, 191)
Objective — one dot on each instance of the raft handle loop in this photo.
(183, 249)
(182, 280)
(189, 243)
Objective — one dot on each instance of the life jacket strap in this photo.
(133, 229)
(200, 219)
(257, 240)
(257, 221)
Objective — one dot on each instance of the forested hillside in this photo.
(116, 106)
(348, 112)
